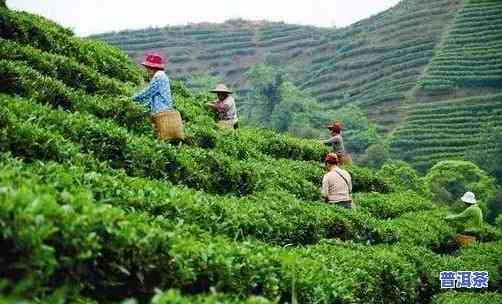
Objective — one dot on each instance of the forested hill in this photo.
(431, 69)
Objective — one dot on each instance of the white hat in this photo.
(469, 198)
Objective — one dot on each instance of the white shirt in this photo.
(334, 186)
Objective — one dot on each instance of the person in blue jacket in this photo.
(157, 95)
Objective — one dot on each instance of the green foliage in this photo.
(45, 35)
(498, 221)
(394, 204)
(454, 297)
(424, 228)
(376, 155)
(19, 79)
(400, 175)
(74, 74)
(491, 162)
(448, 129)
(447, 181)
(175, 297)
(96, 210)
(203, 83)
(275, 102)
(136, 253)
(494, 206)
(465, 59)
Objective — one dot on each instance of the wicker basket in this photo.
(465, 240)
(345, 159)
(168, 125)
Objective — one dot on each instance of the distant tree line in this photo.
(275, 102)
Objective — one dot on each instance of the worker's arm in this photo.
(332, 140)
(212, 104)
(149, 91)
(463, 215)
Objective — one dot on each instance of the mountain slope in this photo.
(459, 96)
(373, 63)
(395, 65)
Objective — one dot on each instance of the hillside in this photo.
(459, 96)
(374, 63)
(413, 59)
(95, 209)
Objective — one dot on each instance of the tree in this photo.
(448, 180)
(494, 206)
(263, 96)
(400, 175)
(204, 82)
(491, 140)
(376, 155)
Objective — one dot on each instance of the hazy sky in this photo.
(96, 16)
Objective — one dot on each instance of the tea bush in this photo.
(96, 210)
(45, 35)
(467, 298)
(394, 204)
(99, 247)
(400, 175)
(447, 181)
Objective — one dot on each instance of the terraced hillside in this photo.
(95, 209)
(374, 63)
(460, 92)
(417, 67)
(226, 50)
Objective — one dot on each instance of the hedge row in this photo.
(99, 248)
(40, 33)
(468, 298)
(198, 168)
(272, 216)
(71, 72)
(22, 80)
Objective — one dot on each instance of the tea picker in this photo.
(225, 107)
(471, 218)
(157, 96)
(336, 141)
(336, 184)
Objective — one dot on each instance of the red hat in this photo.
(153, 60)
(335, 126)
(331, 159)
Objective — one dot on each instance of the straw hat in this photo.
(469, 198)
(221, 88)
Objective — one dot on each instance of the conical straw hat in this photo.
(221, 88)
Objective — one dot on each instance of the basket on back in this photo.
(168, 125)
(345, 158)
(465, 240)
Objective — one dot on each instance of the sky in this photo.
(87, 17)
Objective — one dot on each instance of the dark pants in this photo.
(346, 204)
